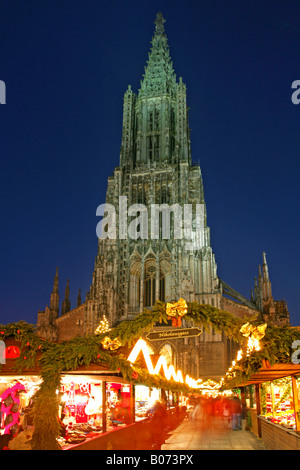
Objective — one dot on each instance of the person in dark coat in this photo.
(158, 421)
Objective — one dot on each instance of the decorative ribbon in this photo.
(111, 344)
(254, 335)
(175, 311)
(256, 332)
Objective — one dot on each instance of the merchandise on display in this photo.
(16, 402)
(145, 398)
(80, 409)
(279, 407)
(118, 405)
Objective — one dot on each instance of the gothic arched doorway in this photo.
(169, 353)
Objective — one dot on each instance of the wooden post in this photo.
(296, 403)
(258, 408)
(132, 403)
(251, 395)
(243, 401)
(104, 427)
(273, 401)
(243, 397)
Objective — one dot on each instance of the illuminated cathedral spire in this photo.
(155, 120)
(159, 77)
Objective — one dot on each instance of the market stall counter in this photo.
(275, 417)
(276, 437)
(110, 415)
(92, 406)
(120, 439)
(136, 436)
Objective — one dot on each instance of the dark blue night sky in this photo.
(67, 64)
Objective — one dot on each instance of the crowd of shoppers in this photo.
(206, 410)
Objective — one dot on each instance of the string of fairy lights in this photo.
(253, 335)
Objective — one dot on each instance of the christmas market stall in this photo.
(17, 391)
(86, 393)
(269, 384)
(94, 404)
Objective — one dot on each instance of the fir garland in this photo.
(276, 347)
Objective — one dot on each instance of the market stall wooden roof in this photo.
(268, 373)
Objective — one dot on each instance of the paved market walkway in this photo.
(191, 435)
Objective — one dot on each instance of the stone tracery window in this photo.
(146, 285)
(150, 286)
(150, 278)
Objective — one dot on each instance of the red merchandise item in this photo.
(12, 352)
(9, 399)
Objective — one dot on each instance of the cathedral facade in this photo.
(132, 272)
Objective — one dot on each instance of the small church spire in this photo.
(259, 275)
(55, 283)
(267, 289)
(54, 298)
(66, 305)
(265, 267)
(79, 298)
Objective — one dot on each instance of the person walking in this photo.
(158, 420)
(236, 414)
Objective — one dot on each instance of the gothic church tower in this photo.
(155, 168)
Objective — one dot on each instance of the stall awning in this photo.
(268, 373)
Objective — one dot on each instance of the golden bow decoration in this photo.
(111, 344)
(257, 332)
(254, 335)
(176, 310)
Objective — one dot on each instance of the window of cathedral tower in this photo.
(156, 119)
(151, 121)
(153, 147)
(156, 147)
(141, 197)
(162, 194)
(150, 277)
(162, 288)
(150, 148)
(150, 286)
